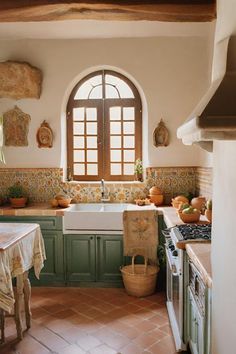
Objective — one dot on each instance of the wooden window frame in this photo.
(103, 128)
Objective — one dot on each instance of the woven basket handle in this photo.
(145, 263)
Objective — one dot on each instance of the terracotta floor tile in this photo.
(164, 346)
(158, 320)
(88, 342)
(29, 346)
(145, 326)
(72, 349)
(51, 340)
(145, 340)
(131, 349)
(102, 349)
(116, 341)
(93, 321)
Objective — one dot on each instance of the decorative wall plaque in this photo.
(161, 135)
(16, 127)
(19, 80)
(44, 135)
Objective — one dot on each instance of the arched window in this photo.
(104, 128)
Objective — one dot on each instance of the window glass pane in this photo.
(115, 169)
(115, 128)
(111, 79)
(85, 88)
(91, 114)
(128, 142)
(115, 113)
(124, 90)
(128, 113)
(91, 128)
(128, 127)
(115, 155)
(92, 155)
(111, 92)
(115, 141)
(79, 156)
(79, 169)
(128, 168)
(78, 129)
(96, 92)
(129, 156)
(78, 113)
(91, 142)
(92, 169)
(78, 142)
(83, 91)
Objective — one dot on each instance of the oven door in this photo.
(175, 297)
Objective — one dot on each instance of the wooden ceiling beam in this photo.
(162, 10)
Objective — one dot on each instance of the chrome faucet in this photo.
(104, 195)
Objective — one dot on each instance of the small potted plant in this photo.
(17, 196)
(138, 170)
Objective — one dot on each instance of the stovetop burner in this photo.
(194, 231)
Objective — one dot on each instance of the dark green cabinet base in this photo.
(93, 258)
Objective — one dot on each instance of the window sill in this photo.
(106, 182)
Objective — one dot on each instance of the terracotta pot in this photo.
(194, 217)
(157, 199)
(155, 190)
(208, 214)
(199, 203)
(18, 202)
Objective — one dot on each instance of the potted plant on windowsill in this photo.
(138, 170)
(17, 196)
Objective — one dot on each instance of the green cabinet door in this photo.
(80, 258)
(53, 270)
(195, 326)
(109, 258)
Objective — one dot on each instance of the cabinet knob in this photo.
(98, 237)
(91, 238)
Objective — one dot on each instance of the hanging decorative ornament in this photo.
(161, 135)
(44, 136)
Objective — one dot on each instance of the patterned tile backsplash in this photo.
(42, 184)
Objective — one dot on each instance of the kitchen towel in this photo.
(141, 234)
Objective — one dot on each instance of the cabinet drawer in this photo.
(45, 222)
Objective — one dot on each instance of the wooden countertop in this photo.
(200, 254)
(37, 209)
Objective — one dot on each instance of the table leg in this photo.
(18, 305)
(27, 295)
(2, 322)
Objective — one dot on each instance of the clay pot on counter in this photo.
(199, 203)
(156, 196)
(208, 215)
(178, 201)
(18, 202)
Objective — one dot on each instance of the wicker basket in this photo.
(139, 279)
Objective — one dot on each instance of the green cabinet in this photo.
(198, 311)
(109, 258)
(195, 326)
(51, 228)
(93, 258)
(80, 258)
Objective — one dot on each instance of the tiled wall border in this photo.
(42, 184)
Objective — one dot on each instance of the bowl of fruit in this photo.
(189, 214)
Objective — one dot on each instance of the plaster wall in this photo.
(171, 73)
(223, 251)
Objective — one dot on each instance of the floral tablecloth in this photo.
(21, 247)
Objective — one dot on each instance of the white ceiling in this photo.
(100, 29)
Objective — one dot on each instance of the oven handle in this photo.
(171, 265)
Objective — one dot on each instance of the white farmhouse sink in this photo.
(94, 216)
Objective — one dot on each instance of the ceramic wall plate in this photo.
(44, 136)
